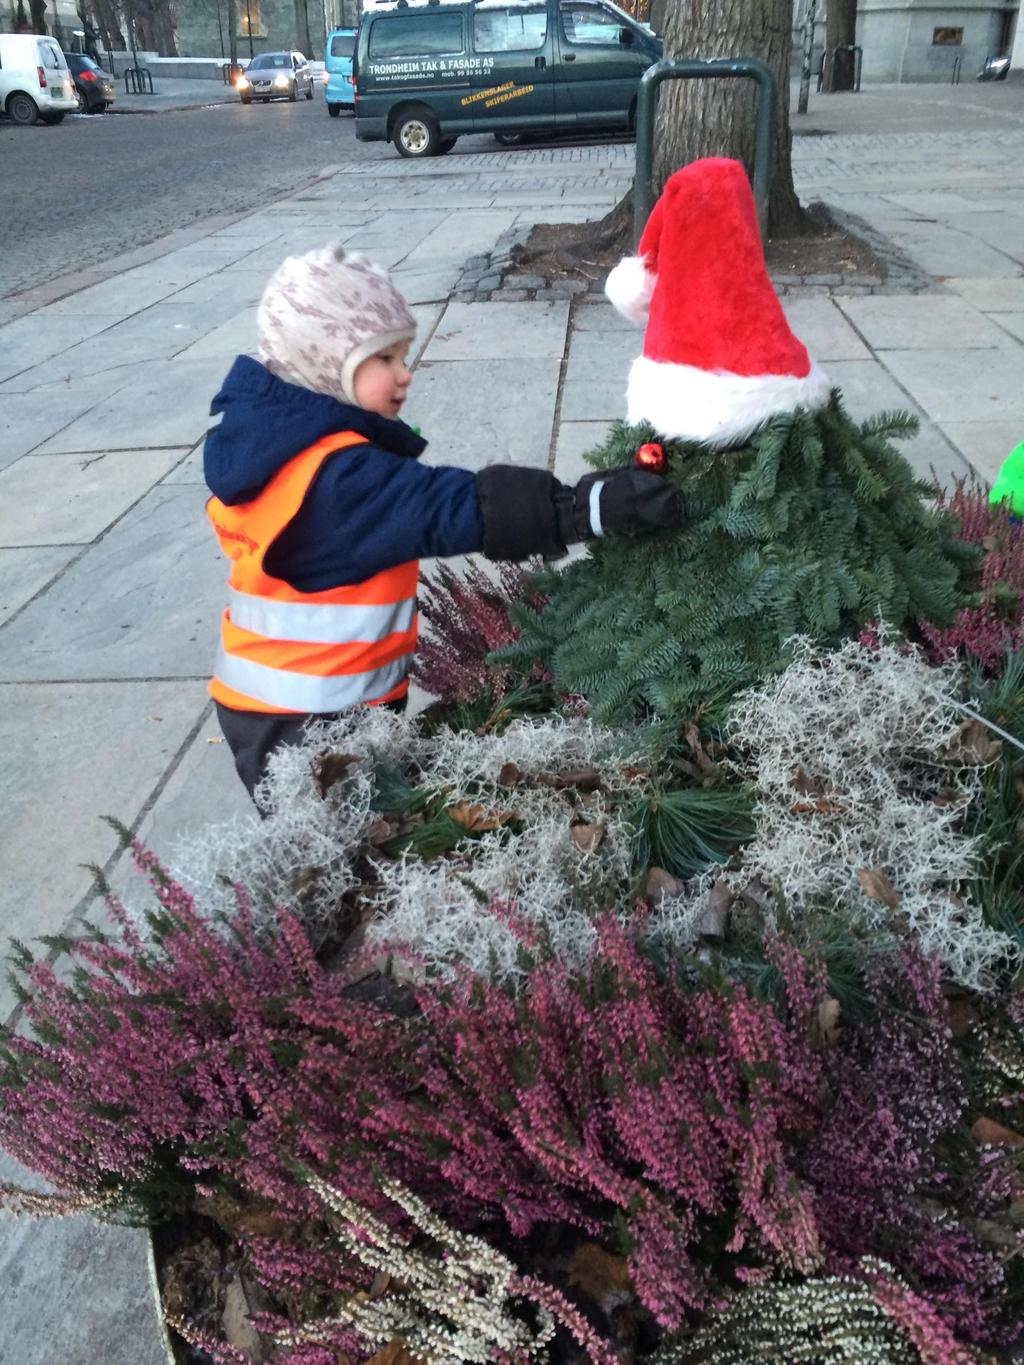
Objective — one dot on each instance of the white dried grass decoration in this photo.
(859, 813)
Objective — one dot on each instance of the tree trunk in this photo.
(717, 117)
(38, 11)
(840, 32)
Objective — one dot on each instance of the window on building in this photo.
(947, 37)
(420, 35)
(519, 28)
(249, 19)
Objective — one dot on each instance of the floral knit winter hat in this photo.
(324, 313)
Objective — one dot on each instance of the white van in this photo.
(35, 82)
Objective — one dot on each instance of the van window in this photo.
(50, 56)
(343, 45)
(517, 28)
(589, 23)
(416, 35)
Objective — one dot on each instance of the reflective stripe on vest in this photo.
(303, 691)
(319, 622)
(287, 651)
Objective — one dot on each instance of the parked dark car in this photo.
(93, 85)
(275, 75)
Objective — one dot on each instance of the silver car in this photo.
(274, 76)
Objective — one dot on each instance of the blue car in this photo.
(338, 90)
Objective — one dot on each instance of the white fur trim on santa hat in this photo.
(630, 287)
(684, 403)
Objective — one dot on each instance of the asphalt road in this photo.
(93, 187)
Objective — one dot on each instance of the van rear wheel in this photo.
(416, 134)
(334, 110)
(22, 109)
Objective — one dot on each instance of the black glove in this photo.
(624, 501)
(528, 511)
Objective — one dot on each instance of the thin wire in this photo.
(988, 724)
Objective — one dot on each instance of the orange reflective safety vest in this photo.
(284, 651)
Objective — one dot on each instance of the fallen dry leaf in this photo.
(875, 884)
(960, 1015)
(700, 753)
(757, 895)
(991, 1134)
(660, 884)
(973, 744)
(805, 784)
(379, 832)
(509, 775)
(825, 1026)
(714, 922)
(597, 1273)
(587, 837)
(397, 1353)
(477, 818)
(331, 768)
(585, 779)
(236, 1323)
(820, 807)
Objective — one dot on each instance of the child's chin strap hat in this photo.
(719, 357)
(323, 314)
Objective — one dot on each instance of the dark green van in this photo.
(427, 70)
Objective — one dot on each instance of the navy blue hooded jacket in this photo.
(370, 506)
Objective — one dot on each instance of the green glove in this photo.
(1009, 484)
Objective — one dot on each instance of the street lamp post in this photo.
(248, 25)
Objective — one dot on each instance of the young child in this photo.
(321, 506)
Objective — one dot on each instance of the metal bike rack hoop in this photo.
(716, 68)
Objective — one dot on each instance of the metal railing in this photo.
(717, 68)
(955, 77)
(829, 59)
(138, 80)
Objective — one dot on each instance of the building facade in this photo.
(920, 40)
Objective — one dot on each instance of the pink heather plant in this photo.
(882, 1164)
(468, 617)
(685, 1121)
(995, 624)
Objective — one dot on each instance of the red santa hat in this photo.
(719, 357)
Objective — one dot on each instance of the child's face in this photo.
(381, 381)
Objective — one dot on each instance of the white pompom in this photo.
(630, 287)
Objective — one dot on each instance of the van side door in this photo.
(601, 60)
(513, 69)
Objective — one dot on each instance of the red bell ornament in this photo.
(650, 456)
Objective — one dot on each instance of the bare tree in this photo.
(717, 118)
(841, 34)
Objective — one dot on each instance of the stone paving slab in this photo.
(463, 406)
(586, 400)
(222, 292)
(823, 329)
(944, 251)
(602, 355)
(190, 470)
(888, 322)
(515, 332)
(985, 445)
(990, 295)
(23, 572)
(167, 405)
(65, 1324)
(869, 388)
(1012, 323)
(119, 296)
(954, 386)
(25, 422)
(143, 602)
(574, 440)
(30, 340)
(94, 492)
(236, 336)
(69, 754)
